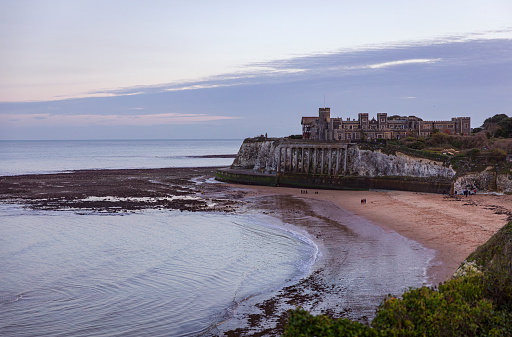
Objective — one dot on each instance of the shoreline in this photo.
(453, 226)
(359, 266)
(450, 227)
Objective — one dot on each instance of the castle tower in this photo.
(364, 121)
(324, 119)
(382, 118)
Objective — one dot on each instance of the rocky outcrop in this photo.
(486, 181)
(366, 163)
(259, 156)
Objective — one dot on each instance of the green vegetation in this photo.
(498, 126)
(488, 144)
(463, 153)
(477, 302)
(495, 259)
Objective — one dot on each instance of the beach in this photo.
(451, 225)
(438, 231)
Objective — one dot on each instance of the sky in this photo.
(87, 69)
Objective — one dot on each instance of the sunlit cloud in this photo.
(199, 86)
(401, 62)
(110, 120)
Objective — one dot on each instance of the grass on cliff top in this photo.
(478, 302)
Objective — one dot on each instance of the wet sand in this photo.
(360, 264)
(451, 225)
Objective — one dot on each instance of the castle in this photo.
(326, 128)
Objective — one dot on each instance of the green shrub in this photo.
(473, 153)
(457, 309)
(418, 145)
(495, 259)
(438, 139)
(498, 155)
(302, 324)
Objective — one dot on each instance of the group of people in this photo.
(466, 192)
(363, 201)
(306, 192)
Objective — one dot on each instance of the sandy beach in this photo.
(451, 225)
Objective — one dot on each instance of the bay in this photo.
(154, 273)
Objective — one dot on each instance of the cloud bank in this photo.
(64, 120)
(438, 79)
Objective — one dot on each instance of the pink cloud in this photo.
(47, 119)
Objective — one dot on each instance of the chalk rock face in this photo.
(258, 156)
(375, 163)
(504, 183)
(485, 181)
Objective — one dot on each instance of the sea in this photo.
(30, 156)
(153, 273)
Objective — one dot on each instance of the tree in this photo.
(499, 125)
(491, 128)
(506, 127)
(494, 119)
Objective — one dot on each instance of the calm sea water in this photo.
(154, 273)
(25, 157)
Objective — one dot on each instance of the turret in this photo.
(324, 119)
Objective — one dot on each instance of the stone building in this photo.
(324, 127)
